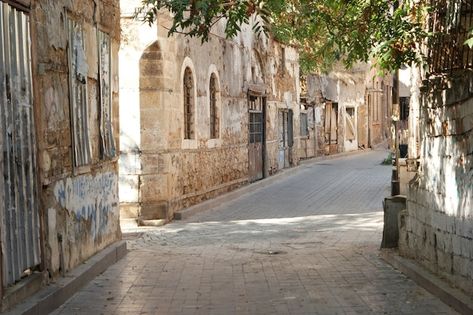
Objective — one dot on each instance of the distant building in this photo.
(58, 138)
(198, 120)
(347, 110)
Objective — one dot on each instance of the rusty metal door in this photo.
(256, 139)
(19, 211)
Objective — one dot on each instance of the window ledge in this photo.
(214, 143)
(189, 144)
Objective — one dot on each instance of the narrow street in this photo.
(306, 244)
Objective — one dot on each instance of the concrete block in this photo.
(439, 221)
(392, 208)
(155, 211)
(457, 244)
(444, 261)
(461, 265)
(154, 188)
(466, 247)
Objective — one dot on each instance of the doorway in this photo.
(256, 137)
(286, 138)
(331, 127)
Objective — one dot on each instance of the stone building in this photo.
(199, 119)
(346, 110)
(58, 137)
(437, 228)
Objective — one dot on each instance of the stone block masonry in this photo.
(438, 228)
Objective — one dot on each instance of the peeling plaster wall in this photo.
(437, 228)
(79, 207)
(160, 171)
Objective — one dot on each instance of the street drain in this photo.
(272, 252)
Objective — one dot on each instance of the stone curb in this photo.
(232, 195)
(54, 295)
(455, 298)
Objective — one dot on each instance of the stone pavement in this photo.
(306, 244)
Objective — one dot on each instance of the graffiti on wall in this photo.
(91, 199)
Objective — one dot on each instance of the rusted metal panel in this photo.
(78, 73)
(106, 128)
(20, 222)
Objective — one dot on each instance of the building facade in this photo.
(346, 110)
(58, 136)
(437, 228)
(199, 119)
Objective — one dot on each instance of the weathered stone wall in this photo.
(437, 229)
(79, 206)
(160, 171)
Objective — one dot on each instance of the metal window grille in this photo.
(213, 107)
(78, 72)
(108, 149)
(188, 104)
(450, 21)
(255, 108)
(19, 217)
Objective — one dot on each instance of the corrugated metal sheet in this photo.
(78, 72)
(106, 128)
(20, 224)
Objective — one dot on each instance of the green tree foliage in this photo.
(324, 31)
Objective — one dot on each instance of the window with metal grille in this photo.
(188, 104)
(256, 124)
(214, 119)
(450, 21)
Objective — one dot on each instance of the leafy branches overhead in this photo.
(324, 31)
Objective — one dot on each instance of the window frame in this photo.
(188, 84)
(214, 117)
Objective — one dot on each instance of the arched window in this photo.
(213, 107)
(188, 104)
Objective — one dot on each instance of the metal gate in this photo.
(19, 211)
(256, 137)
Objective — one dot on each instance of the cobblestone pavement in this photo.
(306, 244)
